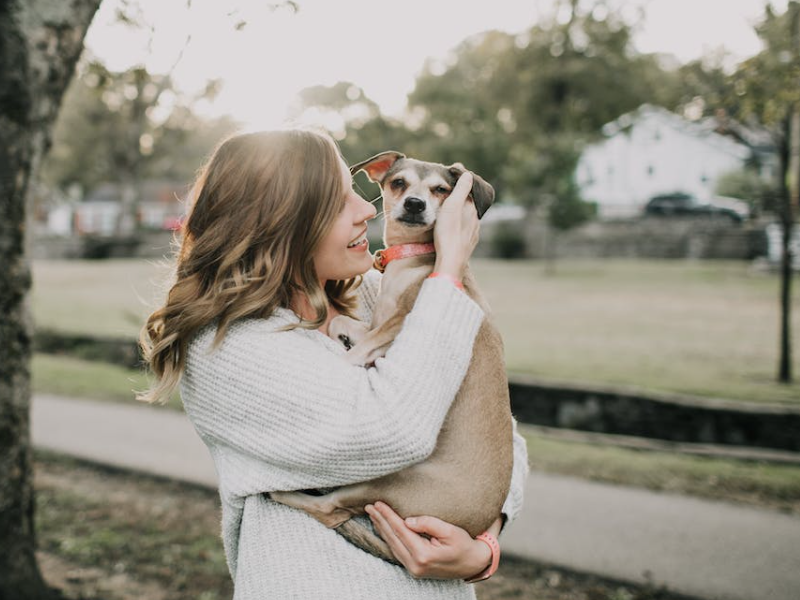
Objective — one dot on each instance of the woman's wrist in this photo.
(482, 556)
(486, 552)
(491, 544)
(449, 268)
(456, 282)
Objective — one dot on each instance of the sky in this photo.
(380, 47)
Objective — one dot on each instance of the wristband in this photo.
(494, 546)
(449, 278)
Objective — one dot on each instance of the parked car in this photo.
(681, 203)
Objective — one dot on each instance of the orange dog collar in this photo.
(387, 255)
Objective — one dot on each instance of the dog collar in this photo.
(387, 255)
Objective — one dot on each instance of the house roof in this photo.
(752, 134)
(668, 118)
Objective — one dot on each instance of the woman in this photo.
(272, 250)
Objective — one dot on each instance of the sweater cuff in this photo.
(443, 302)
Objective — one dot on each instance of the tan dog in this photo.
(466, 479)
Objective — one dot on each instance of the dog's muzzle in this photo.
(413, 212)
(413, 206)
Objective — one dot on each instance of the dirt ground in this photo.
(108, 535)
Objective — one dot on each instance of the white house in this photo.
(651, 151)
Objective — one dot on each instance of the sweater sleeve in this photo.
(519, 476)
(293, 414)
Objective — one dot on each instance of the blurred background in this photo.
(638, 259)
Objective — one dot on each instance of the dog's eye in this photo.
(440, 189)
(398, 184)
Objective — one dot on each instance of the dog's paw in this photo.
(346, 331)
(345, 339)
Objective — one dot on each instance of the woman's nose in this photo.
(368, 210)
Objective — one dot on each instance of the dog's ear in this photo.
(377, 166)
(482, 192)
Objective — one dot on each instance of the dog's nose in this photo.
(414, 205)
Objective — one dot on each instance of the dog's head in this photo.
(414, 190)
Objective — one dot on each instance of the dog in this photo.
(473, 457)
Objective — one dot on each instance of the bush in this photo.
(746, 184)
(122, 352)
(508, 241)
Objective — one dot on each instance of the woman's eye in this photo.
(398, 184)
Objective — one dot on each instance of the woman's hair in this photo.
(260, 207)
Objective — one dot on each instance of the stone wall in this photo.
(645, 237)
(606, 409)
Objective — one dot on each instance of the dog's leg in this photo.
(331, 510)
(376, 342)
(322, 508)
(367, 540)
(347, 330)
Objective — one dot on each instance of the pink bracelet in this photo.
(449, 278)
(494, 546)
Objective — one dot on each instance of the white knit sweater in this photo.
(285, 411)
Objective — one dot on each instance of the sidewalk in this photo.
(712, 550)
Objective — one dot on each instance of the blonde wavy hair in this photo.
(260, 207)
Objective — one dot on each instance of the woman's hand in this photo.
(448, 552)
(455, 233)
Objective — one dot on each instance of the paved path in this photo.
(708, 549)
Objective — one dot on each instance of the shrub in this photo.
(508, 241)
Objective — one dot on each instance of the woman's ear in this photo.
(482, 193)
(377, 166)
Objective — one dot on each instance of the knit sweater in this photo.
(283, 410)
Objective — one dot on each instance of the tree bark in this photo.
(40, 41)
(790, 196)
(790, 191)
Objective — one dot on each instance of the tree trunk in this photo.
(790, 197)
(40, 41)
(789, 189)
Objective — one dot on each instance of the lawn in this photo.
(699, 327)
(109, 298)
(704, 328)
(756, 483)
(66, 376)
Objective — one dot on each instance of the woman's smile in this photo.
(360, 243)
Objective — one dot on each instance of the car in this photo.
(683, 204)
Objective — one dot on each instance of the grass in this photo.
(117, 535)
(84, 379)
(110, 298)
(707, 328)
(152, 530)
(78, 378)
(700, 328)
(770, 485)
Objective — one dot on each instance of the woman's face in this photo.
(344, 251)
